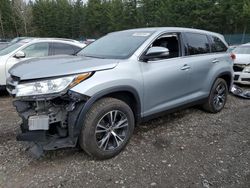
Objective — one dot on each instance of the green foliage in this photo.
(76, 18)
(6, 20)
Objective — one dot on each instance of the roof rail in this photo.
(64, 39)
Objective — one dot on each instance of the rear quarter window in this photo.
(197, 44)
(217, 45)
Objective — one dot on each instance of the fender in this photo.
(226, 73)
(99, 95)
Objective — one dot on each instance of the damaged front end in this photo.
(48, 121)
(239, 92)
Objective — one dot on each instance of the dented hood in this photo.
(59, 66)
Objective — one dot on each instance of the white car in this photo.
(34, 47)
(242, 64)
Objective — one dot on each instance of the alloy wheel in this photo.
(111, 130)
(219, 96)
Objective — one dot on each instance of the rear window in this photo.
(197, 44)
(217, 45)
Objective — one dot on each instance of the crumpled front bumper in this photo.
(237, 91)
(242, 78)
(62, 112)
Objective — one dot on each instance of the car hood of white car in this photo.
(242, 59)
(59, 66)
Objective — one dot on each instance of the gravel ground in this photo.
(189, 148)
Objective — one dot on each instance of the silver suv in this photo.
(97, 97)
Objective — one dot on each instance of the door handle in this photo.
(185, 67)
(215, 61)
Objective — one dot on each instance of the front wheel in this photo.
(217, 97)
(107, 128)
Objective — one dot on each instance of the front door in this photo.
(165, 80)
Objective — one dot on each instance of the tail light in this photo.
(233, 56)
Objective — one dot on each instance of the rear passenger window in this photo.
(218, 45)
(60, 48)
(197, 44)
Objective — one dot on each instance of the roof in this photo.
(173, 29)
(33, 39)
(45, 39)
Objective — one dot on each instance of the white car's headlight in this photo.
(247, 69)
(50, 86)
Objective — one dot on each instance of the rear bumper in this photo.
(242, 78)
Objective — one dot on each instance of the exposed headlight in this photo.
(247, 69)
(50, 86)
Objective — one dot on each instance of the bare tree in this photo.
(24, 12)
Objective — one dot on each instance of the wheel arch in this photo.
(125, 93)
(227, 76)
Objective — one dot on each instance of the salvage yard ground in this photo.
(189, 148)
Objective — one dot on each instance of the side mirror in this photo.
(20, 54)
(155, 52)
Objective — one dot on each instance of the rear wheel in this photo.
(107, 128)
(218, 96)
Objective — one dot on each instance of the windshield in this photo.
(10, 48)
(242, 50)
(119, 45)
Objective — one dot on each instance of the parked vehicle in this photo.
(27, 48)
(18, 39)
(242, 64)
(97, 97)
(89, 41)
(3, 45)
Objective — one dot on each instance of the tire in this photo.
(2, 88)
(217, 97)
(98, 138)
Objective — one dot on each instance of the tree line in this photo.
(94, 18)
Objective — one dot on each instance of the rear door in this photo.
(198, 56)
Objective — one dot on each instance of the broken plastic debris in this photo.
(236, 90)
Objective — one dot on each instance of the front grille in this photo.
(236, 77)
(239, 67)
(12, 82)
(245, 79)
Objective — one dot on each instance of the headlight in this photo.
(247, 69)
(50, 86)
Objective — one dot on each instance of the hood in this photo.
(59, 66)
(242, 59)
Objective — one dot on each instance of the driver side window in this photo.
(37, 50)
(169, 41)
